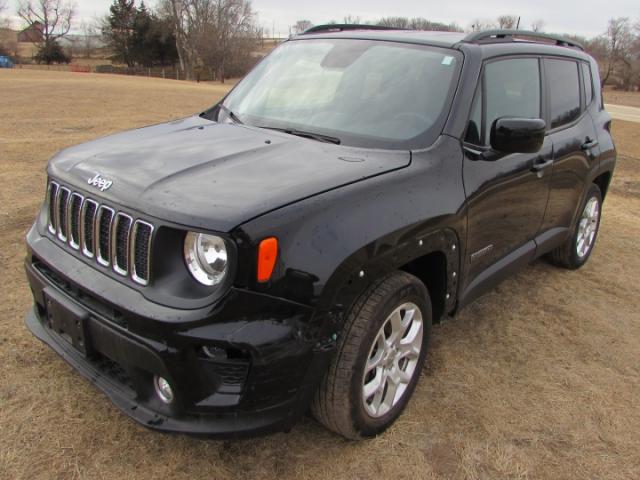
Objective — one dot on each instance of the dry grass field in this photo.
(540, 379)
(617, 97)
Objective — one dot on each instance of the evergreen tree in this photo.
(119, 30)
(138, 37)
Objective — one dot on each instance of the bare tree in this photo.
(302, 25)
(395, 22)
(5, 22)
(89, 39)
(480, 24)
(507, 21)
(618, 41)
(211, 34)
(419, 23)
(235, 22)
(352, 20)
(53, 16)
(538, 25)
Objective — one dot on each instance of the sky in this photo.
(580, 17)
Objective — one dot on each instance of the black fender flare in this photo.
(376, 260)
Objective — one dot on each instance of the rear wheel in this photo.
(379, 357)
(576, 250)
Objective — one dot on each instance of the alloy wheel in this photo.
(392, 359)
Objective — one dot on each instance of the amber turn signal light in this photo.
(267, 255)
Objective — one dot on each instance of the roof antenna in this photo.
(518, 24)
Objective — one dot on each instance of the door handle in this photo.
(589, 144)
(541, 164)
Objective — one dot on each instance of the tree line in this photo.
(220, 37)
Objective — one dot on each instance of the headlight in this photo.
(206, 257)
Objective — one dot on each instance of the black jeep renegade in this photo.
(289, 248)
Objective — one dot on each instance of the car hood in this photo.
(214, 176)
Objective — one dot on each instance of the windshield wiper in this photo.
(230, 114)
(301, 133)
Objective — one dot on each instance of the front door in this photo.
(506, 194)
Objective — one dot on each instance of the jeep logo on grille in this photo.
(100, 182)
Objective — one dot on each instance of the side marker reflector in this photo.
(267, 255)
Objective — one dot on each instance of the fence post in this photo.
(163, 73)
(149, 74)
(177, 74)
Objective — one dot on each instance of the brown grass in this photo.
(616, 97)
(539, 379)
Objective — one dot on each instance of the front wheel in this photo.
(576, 250)
(379, 357)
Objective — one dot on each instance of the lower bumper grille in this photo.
(113, 370)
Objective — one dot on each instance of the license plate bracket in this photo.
(67, 320)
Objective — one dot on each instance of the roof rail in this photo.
(499, 36)
(341, 27)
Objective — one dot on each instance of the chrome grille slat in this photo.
(74, 208)
(120, 243)
(52, 198)
(140, 254)
(87, 226)
(61, 212)
(112, 238)
(104, 221)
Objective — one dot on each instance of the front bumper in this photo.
(261, 380)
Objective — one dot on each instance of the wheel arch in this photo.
(602, 181)
(432, 269)
(432, 257)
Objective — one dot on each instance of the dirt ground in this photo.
(539, 379)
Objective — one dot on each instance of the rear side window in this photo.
(564, 91)
(510, 88)
(588, 83)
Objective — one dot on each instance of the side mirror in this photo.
(517, 135)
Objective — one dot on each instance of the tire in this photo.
(339, 404)
(570, 255)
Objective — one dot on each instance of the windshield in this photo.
(355, 92)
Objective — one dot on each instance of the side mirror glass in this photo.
(517, 135)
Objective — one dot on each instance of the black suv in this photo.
(291, 247)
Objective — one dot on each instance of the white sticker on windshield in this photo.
(447, 60)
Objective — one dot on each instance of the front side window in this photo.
(511, 88)
(363, 92)
(564, 91)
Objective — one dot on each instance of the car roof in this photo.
(488, 43)
(441, 39)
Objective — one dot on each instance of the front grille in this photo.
(114, 239)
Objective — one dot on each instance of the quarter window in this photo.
(588, 83)
(564, 91)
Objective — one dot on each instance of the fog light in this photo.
(163, 389)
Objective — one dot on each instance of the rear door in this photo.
(575, 142)
(507, 196)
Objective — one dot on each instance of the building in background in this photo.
(31, 34)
